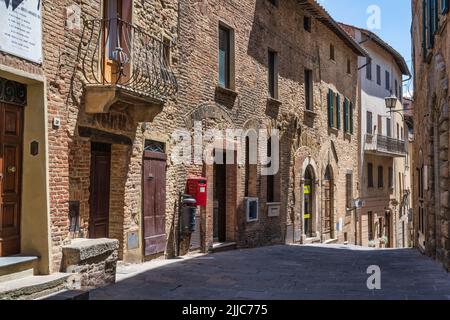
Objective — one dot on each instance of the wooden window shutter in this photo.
(346, 115)
(424, 29)
(444, 6)
(330, 108)
(338, 111)
(430, 23)
(435, 16)
(351, 117)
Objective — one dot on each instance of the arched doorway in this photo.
(328, 204)
(308, 202)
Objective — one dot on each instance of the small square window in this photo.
(378, 75)
(307, 22)
(332, 53)
(273, 74)
(274, 2)
(308, 89)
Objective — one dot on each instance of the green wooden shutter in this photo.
(436, 16)
(351, 117)
(346, 115)
(430, 23)
(444, 6)
(338, 111)
(330, 108)
(424, 29)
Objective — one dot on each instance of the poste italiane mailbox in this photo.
(198, 189)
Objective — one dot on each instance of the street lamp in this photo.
(391, 103)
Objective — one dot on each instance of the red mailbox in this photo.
(198, 189)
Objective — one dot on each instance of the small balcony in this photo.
(121, 63)
(384, 146)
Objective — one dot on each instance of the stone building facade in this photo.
(318, 161)
(385, 188)
(431, 39)
(117, 81)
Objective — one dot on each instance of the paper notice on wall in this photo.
(20, 29)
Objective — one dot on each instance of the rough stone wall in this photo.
(257, 26)
(95, 261)
(431, 100)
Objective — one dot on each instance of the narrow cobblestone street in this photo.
(284, 272)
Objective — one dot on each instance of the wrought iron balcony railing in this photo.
(385, 145)
(117, 53)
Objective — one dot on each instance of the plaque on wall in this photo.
(20, 29)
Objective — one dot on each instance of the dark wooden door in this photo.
(220, 200)
(100, 190)
(154, 202)
(11, 139)
(328, 214)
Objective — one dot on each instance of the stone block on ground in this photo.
(94, 259)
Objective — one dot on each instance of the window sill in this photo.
(348, 135)
(333, 130)
(311, 113)
(273, 101)
(227, 91)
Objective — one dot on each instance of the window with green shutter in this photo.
(331, 108)
(444, 6)
(346, 116)
(424, 29)
(338, 111)
(435, 16)
(430, 23)
(351, 117)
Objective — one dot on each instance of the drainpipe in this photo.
(178, 225)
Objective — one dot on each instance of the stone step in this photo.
(17, 267)
(35, 287)
(221, 247)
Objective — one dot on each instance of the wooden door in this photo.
(327, 225)
(220, 203)
(100, 190)
(11, 140)
(154, 202)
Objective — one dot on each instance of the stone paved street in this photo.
(284, 272)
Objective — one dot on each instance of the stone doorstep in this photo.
(35, 286)
(331, 241)
(16, 267)
(15, 260)
(17, 275)
(221, 247)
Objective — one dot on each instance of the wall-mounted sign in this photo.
(307, 189)
(20, 29)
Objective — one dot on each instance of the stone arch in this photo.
(209, 110)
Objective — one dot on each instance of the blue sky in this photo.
(395, 22)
